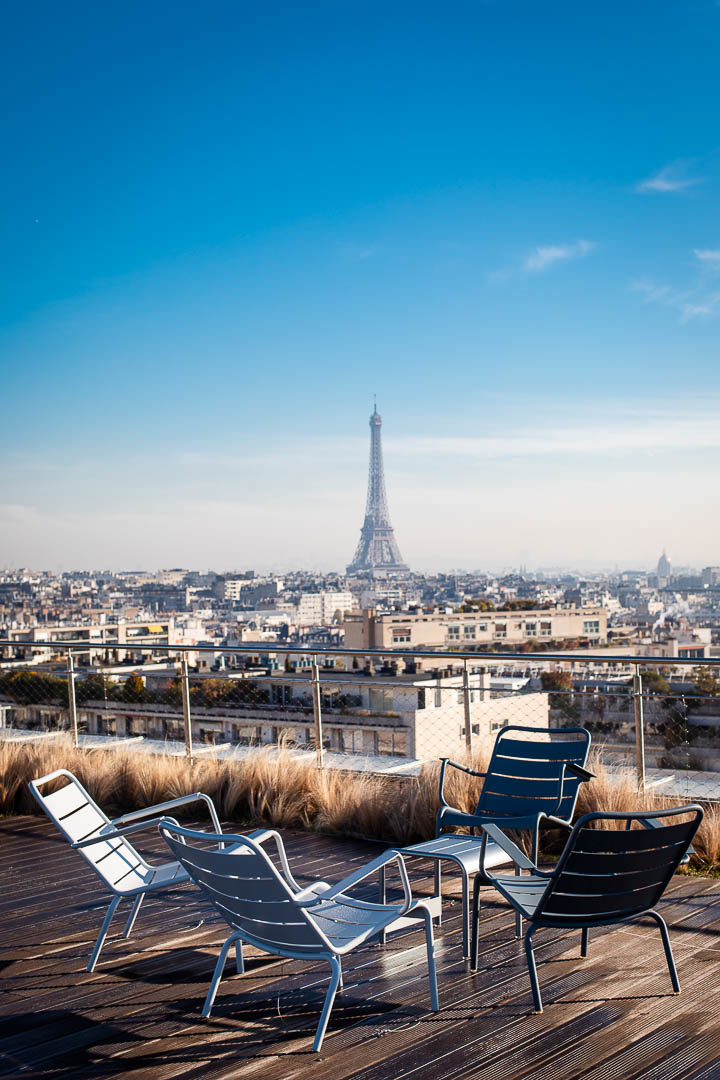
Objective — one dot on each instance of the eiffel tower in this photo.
(377, 551)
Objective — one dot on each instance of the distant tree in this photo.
(93, 688)
(133, 689)
(706, 683)
(171, 693)
(558, 684)
(478, 603)
(524, 605)
(38, 688)
(654, 683)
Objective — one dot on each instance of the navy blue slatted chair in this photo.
(534, 775)
(605, 876)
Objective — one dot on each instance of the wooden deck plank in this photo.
(138, 1014)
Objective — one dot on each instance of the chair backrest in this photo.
(607, 874)
(78, 817)
(247, 890)
(523, 776)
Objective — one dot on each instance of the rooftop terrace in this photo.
(610, 1016)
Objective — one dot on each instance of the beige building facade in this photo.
(468, 631)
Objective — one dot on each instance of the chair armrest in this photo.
(580, 771)
(260, 836)
(364, 872)
(171, 804)
(558, 821)
(113, 834)
(455, 765)
(518, 857)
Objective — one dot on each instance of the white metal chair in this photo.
(104, 846)
(267, 908)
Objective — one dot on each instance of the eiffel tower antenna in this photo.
(377, 551)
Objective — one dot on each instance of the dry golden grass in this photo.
(284, 789)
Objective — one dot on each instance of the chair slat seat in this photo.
(629, 840)
(524, 892)
(544, 747)
(265, 907)
(603, 877)
(120, 867)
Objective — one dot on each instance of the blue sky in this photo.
(225, 227)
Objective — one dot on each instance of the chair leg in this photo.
(518, 916)
(474, 931)
(432, 971)
(383, 900)
(239, 959)
(329, 999)
(133, 914)
(438, 886)
(217, 974)
(533, 969)
(103, 932)
(465, 911)
(584, 941)
(668, 950)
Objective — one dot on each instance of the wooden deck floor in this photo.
(610, 1016)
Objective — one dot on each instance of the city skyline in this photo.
(222, 236)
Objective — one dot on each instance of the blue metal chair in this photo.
(103, 844)
(530, 779)
(266, 907)
(604, 876)
(533, 776)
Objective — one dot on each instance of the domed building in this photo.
(664, 570)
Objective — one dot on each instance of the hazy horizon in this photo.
(225, 231)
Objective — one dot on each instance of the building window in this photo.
(470, 631)
(545, 629)
(500, 629)
(454, 633)
(381, 701)
(401, 637)
(591, 626)
(531, 628)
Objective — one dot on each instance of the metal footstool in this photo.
(464, 851)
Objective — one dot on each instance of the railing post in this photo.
(317, 713)
(187, 722)
(639, 728)
(71, 699)
(466, 702)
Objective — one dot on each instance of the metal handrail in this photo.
(273, 648)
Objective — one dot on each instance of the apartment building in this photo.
(412, 716)
(476, 630)
(319, 609)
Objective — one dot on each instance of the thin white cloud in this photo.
(691, 303)
(709, 257)
(353, 253)
(616, 435)
(544, 256)
(671, 178)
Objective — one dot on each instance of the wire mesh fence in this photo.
(383, 712)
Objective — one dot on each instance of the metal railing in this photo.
(362, 703)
